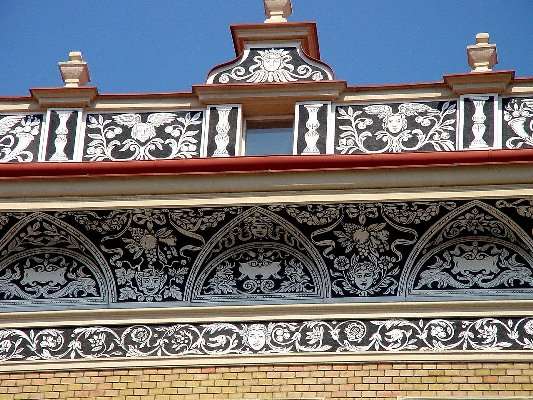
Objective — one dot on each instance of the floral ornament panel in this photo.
(395, 128)
(143, 136)
(46, 261)
(20, 137)
(267, 65)
(268, 254)
(474, 249)
(517, 126)
(358, 337)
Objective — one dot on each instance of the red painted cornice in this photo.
(214, 166)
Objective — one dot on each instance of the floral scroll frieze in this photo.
(362, 337)
(143, 136)
(394, 128)
(267, 65)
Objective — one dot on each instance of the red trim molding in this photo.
(262, 164)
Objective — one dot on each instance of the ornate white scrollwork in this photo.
(17, 132)
(516, 114)
(272, 65)
(350, 336)
(431, 128)
(176, 137)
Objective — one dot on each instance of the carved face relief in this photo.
(256, 336)
(272, 60)
(150, 281)
(259, 230)
(363, 275)
(395, 123)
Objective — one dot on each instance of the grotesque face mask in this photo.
(395, 123)
(363, 276)
(256, 336)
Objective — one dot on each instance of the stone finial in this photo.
(482, 56)
(75, 71)
(277, 10)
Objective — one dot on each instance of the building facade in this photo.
(384, 248)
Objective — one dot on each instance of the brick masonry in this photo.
(323, 381)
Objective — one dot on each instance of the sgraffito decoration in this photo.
(223, 131)
(312, 128)
(61, 135)
(310, 336)
(395, 128)
(142, 136)
(478, 128)
(517, 123)
(452, 249)
(20, 137)
(268, 65)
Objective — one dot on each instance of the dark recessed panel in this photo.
(20, 137)
(223, 130)
(455, 249)
(142, 136)
(517, 123)
(61, 135)
(312, 129)
(267, 65)
(478, 122)
(395, 128)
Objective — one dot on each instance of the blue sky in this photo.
(168, 45)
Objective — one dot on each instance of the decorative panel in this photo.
(20, 137)
(452, 249)
(395, 127)
(268, 64)
(517, 122)
(61, 135)
(311, 128)
(478, 122)
(223, 131)
(142, 136)
(355, 336)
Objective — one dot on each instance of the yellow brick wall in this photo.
(337, 381)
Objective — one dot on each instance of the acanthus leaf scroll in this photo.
(380, 128)
(143, 136)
